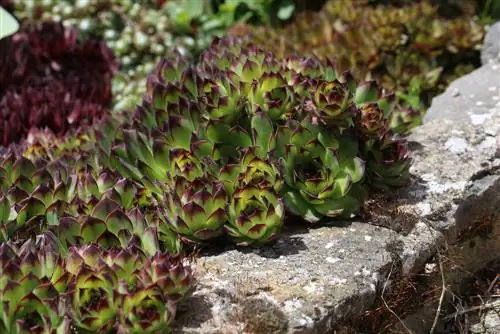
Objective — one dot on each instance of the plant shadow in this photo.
(396, 210)
(382, 209)
(289, 242)
(185, 315)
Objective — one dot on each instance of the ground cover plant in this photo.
(223, 149)
(141, 33)
(50, 80)
(409, 48)
(100, 210)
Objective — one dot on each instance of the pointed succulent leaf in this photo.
(149, 241)
(7, 212)
(105, 181)
(92, 228)
(23, 167)
(146, 311)
(262, 129)
(117, 221)
(31, 208)
(127, 191)
(104, 207)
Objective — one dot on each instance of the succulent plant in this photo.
(32, 280)
(50, 80)
(196, 208)
(79, 207)
(289, 131)
(90, 289)
(387, 162)
(256, 215)
(399, 46)
(256, 211)
(321, 172)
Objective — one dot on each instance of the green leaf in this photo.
(67, 230)
(218, 132)
(22, 167)
(262, 129)
(92, 229)
(104, 208)
(4, 209)
(127, 192)
(8, 24)
(298, 206)
(33, 207)
(287, 8)
(149, 240)
(52, 218)
(366, 93)
(179, 132)
(118, 221)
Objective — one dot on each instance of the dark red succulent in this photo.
(8, 5)
(51, 80)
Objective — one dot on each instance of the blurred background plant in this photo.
(423, 59)
(141, 33)
(8, 24)
(408, 47)
(51, 80)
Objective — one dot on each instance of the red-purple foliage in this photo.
(48, 79)
(8, 5)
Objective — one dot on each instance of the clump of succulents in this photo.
(88, 288)
(92, 225)
(223, 147)
(409, 48)
(239, 137)
(51, 80)
(77, 199)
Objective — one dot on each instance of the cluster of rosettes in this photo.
(221, 148)
(242, 135)
(401, 47)
(88, 288)
(50, 80)
(79, 200)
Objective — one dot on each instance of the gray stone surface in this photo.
(490, 322)
(312, 280)
(491, 45)
(474, 98)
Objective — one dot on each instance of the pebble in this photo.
(456, 145)
(333, 259)
(479, 119)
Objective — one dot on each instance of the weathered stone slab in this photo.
(301, 281)
(312, 280)
(491, 45)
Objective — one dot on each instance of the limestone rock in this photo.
(491, 45)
